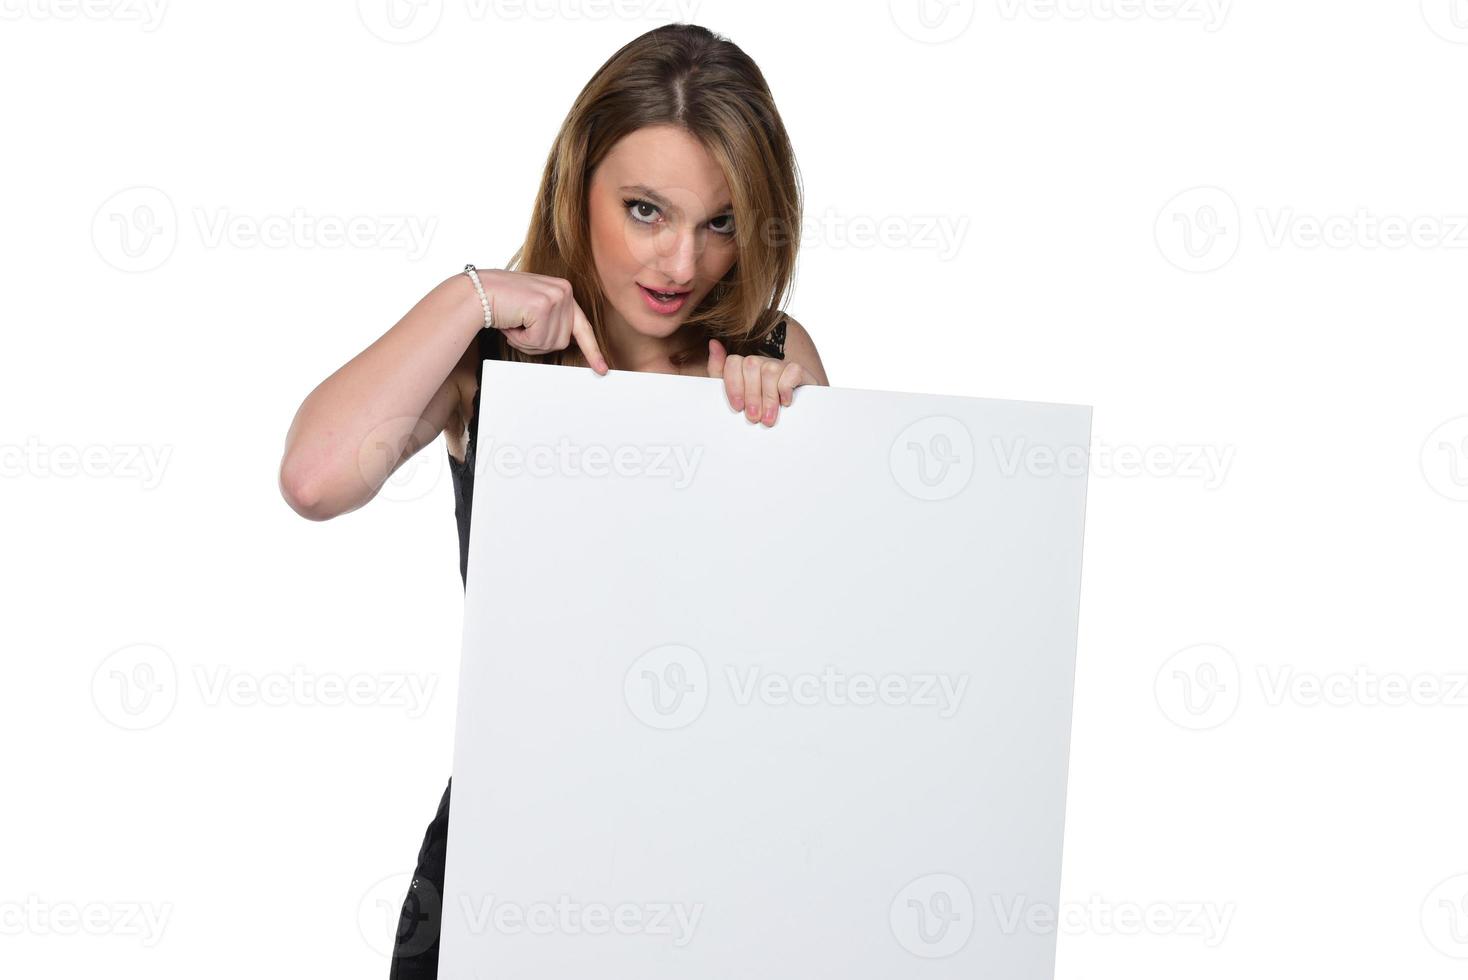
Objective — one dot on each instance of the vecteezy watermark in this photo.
(1445, 459)
(942, 234)
(932, 21)
(1200, 230)
(1362, 229)
(675, 464)
(933, 458)
(669, 686)
(400, 21)
(1361, 687)
(674, 922)
(117, 461)
(932, 916)
(1211, 14)
(137, 687)
(1209, 464)
(1445, 917)
(840, 688)
(219, 685)
(406, 21)
(410, 233)
(399, 915)
(34, 916)
(390, 458)
(148, 14)
(1197, 687)
(1201, 687)
(1447, 18)
(1097, 916)
(653, 234)
(137, 230)
(414, 478)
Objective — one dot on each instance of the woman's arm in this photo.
(364, 421)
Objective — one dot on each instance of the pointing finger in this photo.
(586, 340)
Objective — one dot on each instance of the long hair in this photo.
(687, 76)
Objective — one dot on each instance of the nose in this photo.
(677, 257)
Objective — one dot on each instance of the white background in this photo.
(1024, 164)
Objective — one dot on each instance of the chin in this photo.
(661, 326)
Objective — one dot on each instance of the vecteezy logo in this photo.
(1445, 459)
(1447, 18)
(415, 477)
(135, 687)
(1198, 687)
(1199, 229)
(933, 916)
(932, 21)
(135, 229)
(398, 915)
(933, 458)
(400, 21)
(667, 687)
(1445, 917)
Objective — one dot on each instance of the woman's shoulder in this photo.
(795, 344)
(773, 343)
(786, 332)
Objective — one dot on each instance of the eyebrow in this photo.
(661, 201)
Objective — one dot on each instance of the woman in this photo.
(663, 239)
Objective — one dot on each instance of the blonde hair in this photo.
(687, 76)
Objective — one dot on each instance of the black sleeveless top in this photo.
(463, 473)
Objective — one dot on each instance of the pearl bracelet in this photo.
(473, 274)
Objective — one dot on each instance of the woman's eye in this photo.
(727, 228)
(635, 207)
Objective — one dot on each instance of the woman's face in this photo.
(661, 220)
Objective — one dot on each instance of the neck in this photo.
(635, 351)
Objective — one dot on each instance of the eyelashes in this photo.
(633, 202)
(634, 206)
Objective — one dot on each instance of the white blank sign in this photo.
(750, 702)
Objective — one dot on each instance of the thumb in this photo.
(717, 356)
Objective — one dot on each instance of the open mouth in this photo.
(661, 302)
(666, 297)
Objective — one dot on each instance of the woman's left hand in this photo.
(756, 385)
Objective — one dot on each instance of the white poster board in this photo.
(750, 702)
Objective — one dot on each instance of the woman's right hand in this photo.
(538, 314)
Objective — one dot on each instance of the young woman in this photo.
(663, 238)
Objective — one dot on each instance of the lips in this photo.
(663, 302)
(667, 295)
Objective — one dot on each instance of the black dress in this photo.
(415, 952)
